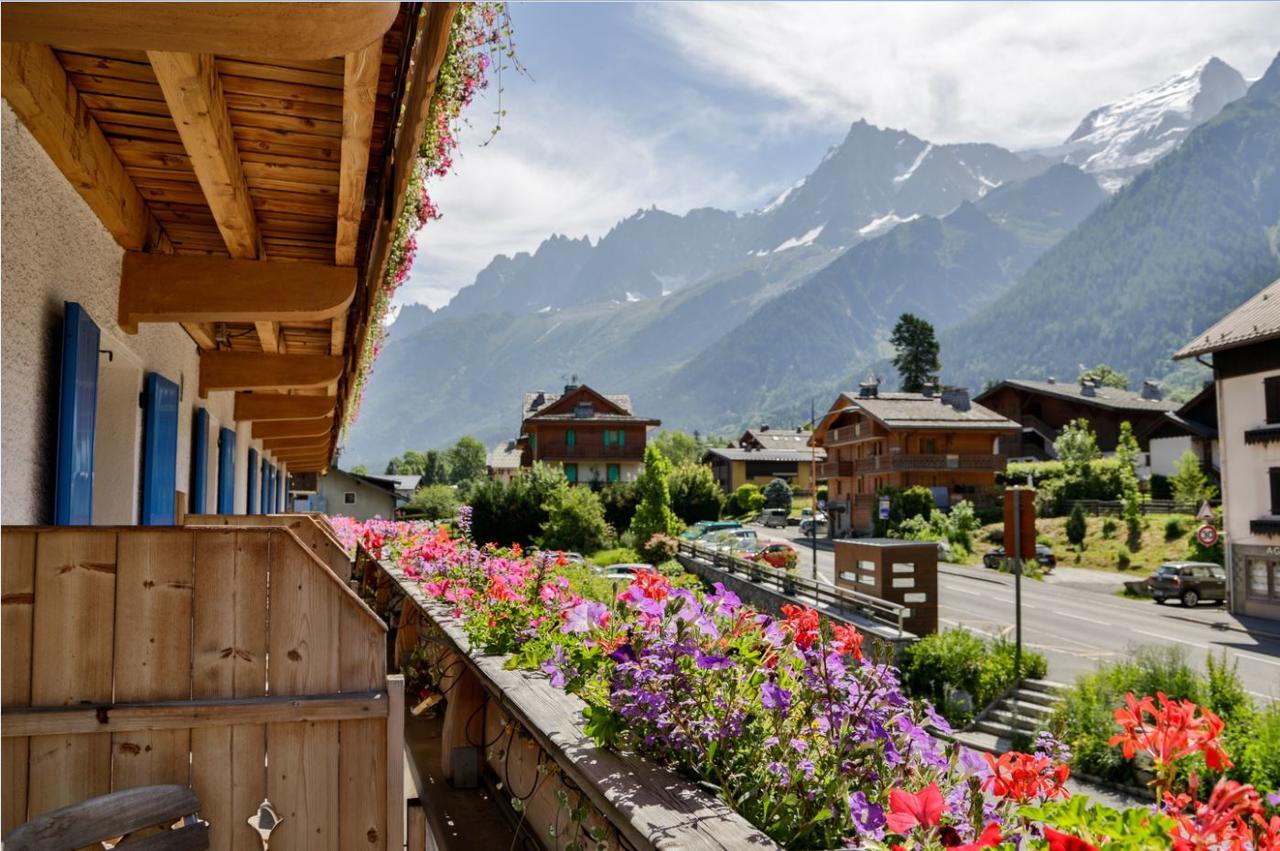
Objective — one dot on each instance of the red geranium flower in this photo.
(1066, 842)
(1023, 777)
(1222, 821)
(1177, 729)
(848, 640)
(802, 623)
(653, 585)
(989, 838)
(908, 811)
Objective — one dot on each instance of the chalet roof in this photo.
(916, 410)
(537, 407)
(401, 483)
(1255, 321)
(1198, 416)
(1110, 398)
(780, 438)
(505, 456)
(541, 400)
(735, 453)
(380, 482)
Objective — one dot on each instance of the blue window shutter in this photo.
(251, 498)
(199, 461)
(264, 499)
(77, 412)
(226, 471)
(280, 495)
(159, 450)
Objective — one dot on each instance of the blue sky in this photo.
(683, 105)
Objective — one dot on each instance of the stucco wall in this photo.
(56, 250)
(1246, 491)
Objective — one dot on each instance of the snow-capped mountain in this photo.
(1116, 141)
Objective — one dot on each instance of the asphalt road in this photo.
(1077, 622)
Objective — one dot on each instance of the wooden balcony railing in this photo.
(917, 463)
(845, 434)
(558, 452)
(832, 469)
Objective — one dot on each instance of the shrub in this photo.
(747, 499)
(1259, 757)
(1077, 527)
(1123, 558)
(661, 548)
(695, 493)
(619, 500)
(513, 513)
(1189, 483)
(434, 502)
(1197, 551)
(903, 504)
(1173, 529)
(1160, 487)
(961, 673)
(575, 521)
(1109, 528)
(653, 515)
(777, 494)
(617, 555)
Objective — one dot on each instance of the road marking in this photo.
(1164, 637)
(1083, 618)
(1252, 657)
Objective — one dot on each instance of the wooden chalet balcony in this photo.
(844, 434)
(919, 463)
(833, 469)
(561, 452)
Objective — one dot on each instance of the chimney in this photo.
(869, 389)
(929, 387)
(764, 426)
(539, 399)
(1151, 390)
(1053, 380)
(956, 397)
(1088, 387)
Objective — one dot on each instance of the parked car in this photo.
(705, 527)
(729, 539)
(995, 558)
(774, 518)
(777, 554)
(806, 522)
(1188, 581)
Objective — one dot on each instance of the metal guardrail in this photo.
(883, 611)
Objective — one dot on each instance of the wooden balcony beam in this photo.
(223, 370)
(203, 288)
(255, 30)
(275, 406)
(286, 445)
(294, 428)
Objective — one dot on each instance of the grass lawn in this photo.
(1102, 552)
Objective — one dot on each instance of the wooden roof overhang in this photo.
(252, 159)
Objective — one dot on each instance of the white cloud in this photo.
(1016, 74)
(555, 167)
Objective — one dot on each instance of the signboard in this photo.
(1205, 514)
(1025, 498)
(1207, 535)
(884, 508)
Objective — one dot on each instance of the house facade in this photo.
(1043, 409)
(765, 454)
(503, 463)
(873, 440)
(1245, 350)
(595, 438)
(1192, 428)
(341, 492)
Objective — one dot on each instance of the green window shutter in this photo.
(621, 437)
(612, 472)
(571, 473)
(570, 438)
(608, 437)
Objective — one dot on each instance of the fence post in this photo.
(395, 762)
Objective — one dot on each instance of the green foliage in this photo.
(514, 513)
(679, 447)
(662, 549)
(1124, 558)
(1161, 488)
(1128, 454)
(777, 494)
(408, 464)
(1189, 482)
(619, 500)
(1077, 527)
(1077, 445)
(1109, 528)
(1258, 754)
(435, 468)
(360, 470)
(467, 460)
(434, 502)
(1105, 376)
(695, 493)
(915, 501)
(575, 521)
(747, 499)
(1173, 529)
(916, 353)
(617, 555)
(653, 515)
(1197, 551)
(1057, 483)
(941, 666)
(1132, 829)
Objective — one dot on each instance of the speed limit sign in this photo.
(1207, 535)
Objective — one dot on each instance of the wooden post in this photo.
(395, 762)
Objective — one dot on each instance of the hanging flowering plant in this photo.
(480, 46)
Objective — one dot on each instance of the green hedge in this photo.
(1056, 484)
(940, 665)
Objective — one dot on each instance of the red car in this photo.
(777, 554)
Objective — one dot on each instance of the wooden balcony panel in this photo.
(834, 469)
(920, 463)
(560, 452)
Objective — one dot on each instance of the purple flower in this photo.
(935, 719)
(554, 667)
(723, 602)
(713, 662)
(1274, 799)
(625, 653)
(867, 817)
(585, 616)
(773, 696)
(973, 763)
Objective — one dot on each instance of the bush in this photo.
(1160, 487)
(1189, 483)
(617, 555)
(1173, 529)
(619, 500)
(904, 504)
(1197, 551)
(747, 499)
(575, 521)
(961, 673)
(1109, 528)
(661, 548)
(1077, 527)
(654, 515)
(695, 493)
(434, 502)
(1123, 558)
(777, 494)
(513, 513)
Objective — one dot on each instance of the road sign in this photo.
(1205, 514)
(1207, 535)
(884, 508)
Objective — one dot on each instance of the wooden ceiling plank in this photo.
(271, 407)
(194, 93)
(296, 444)
(158, 288)
(359, 92)
(261, 30)
(293, 428)
(223, 370)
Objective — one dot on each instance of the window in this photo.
(1262, 577)
(1271, 391)
(570, 438)
(1274, 474)
(571, 473)
(611, 473)
(348, 497)
(928, 447)
(583, 410)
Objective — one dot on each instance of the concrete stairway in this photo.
(1024, 710)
